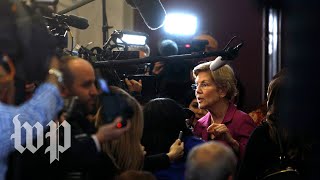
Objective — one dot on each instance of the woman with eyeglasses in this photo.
(215, 92)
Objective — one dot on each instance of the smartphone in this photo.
(114, 105)
(180, 135)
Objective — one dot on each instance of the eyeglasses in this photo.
(201, 86)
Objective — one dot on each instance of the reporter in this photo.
(42, 108)
(31, 58)
(164, 119)
(125, 152)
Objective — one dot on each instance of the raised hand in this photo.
(111, 131)
(133, 85)
(176, 150)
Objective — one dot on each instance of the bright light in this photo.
(180, 24)
(133, 39)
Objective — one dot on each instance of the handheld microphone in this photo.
(218, 63)
(71, 20)
(151, 11)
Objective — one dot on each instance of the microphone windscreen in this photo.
(151, 11)
(77, 22)
(168, 47)
(217, 63)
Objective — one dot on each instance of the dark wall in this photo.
(225, 19)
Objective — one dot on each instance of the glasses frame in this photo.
(201, 86)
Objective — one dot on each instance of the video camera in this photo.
(195, 45)
(25, 38)
(122, 45)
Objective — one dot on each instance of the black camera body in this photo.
(195, 45)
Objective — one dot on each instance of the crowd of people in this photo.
(182, 133)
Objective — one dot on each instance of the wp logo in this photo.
(54, 147)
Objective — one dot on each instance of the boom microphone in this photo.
(71, 20)
(231, 54)
(218, 63)
(151, 11)
(74, 21)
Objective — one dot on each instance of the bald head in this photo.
(79, 62)
(71, 67)
(210, 160)
(79, 80)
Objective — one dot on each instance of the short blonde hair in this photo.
(223, 77)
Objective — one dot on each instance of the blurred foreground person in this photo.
(84, 155)
(275, 146)
(211, 160)
(134, 175)
(30, 62)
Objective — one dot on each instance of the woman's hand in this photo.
(221, 132)
(176, 150)
(143, 149)
(133, 85)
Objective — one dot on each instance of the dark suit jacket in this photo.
(81, 161)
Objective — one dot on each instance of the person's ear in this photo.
(222, 92)
(65, 92)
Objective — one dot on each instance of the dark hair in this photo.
(164, 119)
(295, 144)
(61, 112)
(189, 97)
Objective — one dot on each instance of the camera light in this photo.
(133, 38)
(180, 24)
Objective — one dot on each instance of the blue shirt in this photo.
(42, 108)
(177, 169)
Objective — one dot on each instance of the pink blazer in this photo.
(239, 124)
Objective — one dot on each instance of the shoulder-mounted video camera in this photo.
(24, 37)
